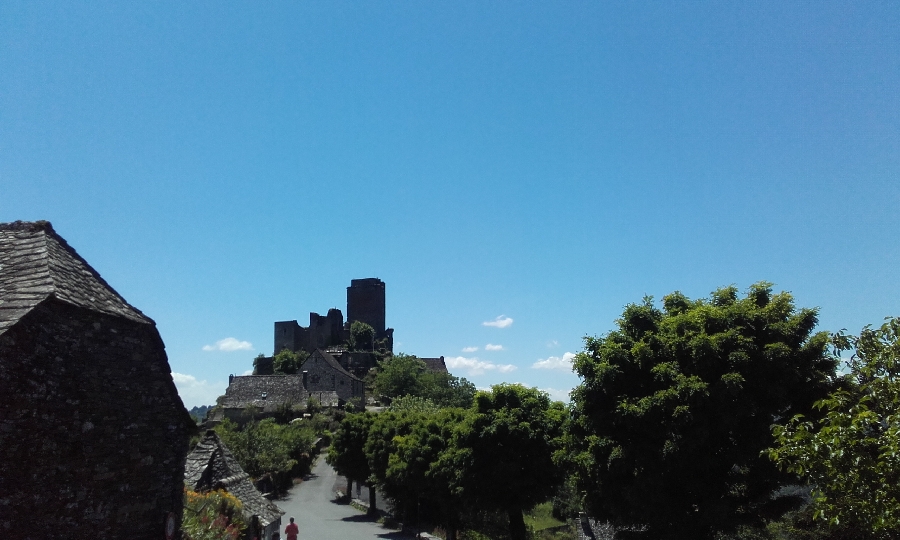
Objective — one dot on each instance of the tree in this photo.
(445, 390)
(362, 336)
(347, 452)
(675, 408)
(381, 442)
(268, 447)
(398, 375)
(421, 465)
(505, 451)
(406, 375)
(852, 455)
(288, 362)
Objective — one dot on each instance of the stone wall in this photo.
(323, 376)
(93, 435)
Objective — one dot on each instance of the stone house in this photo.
(210, 465)
(321, 377)
(436, 365)
(323, 373)
(266, 394)
(93, 435)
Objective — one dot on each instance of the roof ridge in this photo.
(38, 264)
(48, 230)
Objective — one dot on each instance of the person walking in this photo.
(292, 530)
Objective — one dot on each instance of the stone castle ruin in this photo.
(365, 303)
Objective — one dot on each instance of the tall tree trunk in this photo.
(349, 488)
(517, 530)
(372, 508)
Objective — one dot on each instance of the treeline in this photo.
(439, 465)
(722, 417)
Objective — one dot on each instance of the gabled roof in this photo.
(331, 361)
(37, 264)
(210, 465)
(435, 364)
(266, 392)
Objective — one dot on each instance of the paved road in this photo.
(319, 517)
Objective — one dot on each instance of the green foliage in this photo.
(288, 362)
(347, 452)
(445, 390)
(506, 450)
(256, 361)
(852, 454)
(268, 447)
(414, 404)
(406, 375)
(542, 517)
(421, 476)
(398, 375)
(214, 515)
(675, 408)
(362, 336)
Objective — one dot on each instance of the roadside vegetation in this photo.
(727, 417)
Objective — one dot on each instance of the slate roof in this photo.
(435, 364)
(210, 465)
(331, 361)
(266, 392)
(37, 264)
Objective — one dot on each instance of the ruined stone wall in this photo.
(289, 335)
(93, 435)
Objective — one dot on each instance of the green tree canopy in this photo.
(505, 451)
(420, 465)
(406, 375)
(362, 336)
(852, 455)
(398, 375)
(347, 451)
(445, 390)
(288, 362)
(675, 408)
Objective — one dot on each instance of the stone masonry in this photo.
(93, 435)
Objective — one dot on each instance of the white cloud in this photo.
(491, 347)
(475, 366)
(248, 372)
(469, 349)
(500, 322)
(563, 363)
(229, 344)
(558, 395)
(195, 393)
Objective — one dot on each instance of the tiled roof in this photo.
(37, 264)
(266, 392)
(435, 364)
(210, 465)
(331, 361)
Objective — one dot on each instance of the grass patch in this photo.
(541, 517)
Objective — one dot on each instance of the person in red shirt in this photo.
(292, 530)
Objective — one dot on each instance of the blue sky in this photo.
(225, 165)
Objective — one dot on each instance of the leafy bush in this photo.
(215, 515)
